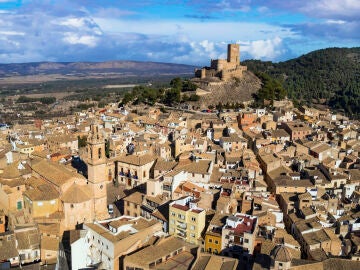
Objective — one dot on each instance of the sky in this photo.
(173, 31)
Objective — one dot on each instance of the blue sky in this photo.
(189, 32)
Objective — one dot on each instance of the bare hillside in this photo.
(228, 92)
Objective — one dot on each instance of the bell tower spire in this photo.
(95, 146)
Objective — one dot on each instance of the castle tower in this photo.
(96, 165)
(233, 53)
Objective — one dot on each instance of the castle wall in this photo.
(224, 69)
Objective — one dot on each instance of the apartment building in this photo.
(186, 219)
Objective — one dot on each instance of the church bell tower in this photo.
(96, 165)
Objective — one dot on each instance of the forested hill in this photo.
(330, 74)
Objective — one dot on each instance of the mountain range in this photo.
(70, 70)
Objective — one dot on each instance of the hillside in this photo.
(231, 92)
(330, 75)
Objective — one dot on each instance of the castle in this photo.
(224, 69)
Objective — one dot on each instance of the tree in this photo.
(82, 141)
(107, 148)
(172, 96)
(176, 83)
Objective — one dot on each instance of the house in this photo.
(63, 141)
(297, 130)
(165, 253)
(28, 243)
(9, 255)
(41, 199)
(238, 234)
(233, 143)
(213, 237)
(134, 170)
(206, 261)
(108, 240)
(132, 204)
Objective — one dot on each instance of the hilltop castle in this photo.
(224, 69)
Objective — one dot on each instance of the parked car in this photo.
(111, 209)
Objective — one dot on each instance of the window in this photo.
(216, 242)
(173, 214)
(99, 153)
(193, 219)
(246, 240)
(192, 227)
(210, 240)
(19, 205)
(192, 235)
(40, 203)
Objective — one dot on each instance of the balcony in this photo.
(121, 173)
(181, 226)
(181, 234)
(166, 188)
(135, 177)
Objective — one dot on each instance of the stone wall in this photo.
(224, 69)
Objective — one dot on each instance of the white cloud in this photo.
(197, 31)
(73, 22)
(12, 33)
(335, 22)
(268, 49)
(87, 40)
(332, 8)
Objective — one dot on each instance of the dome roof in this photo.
(76, 194)
(281, 254)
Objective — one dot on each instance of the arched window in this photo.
(99, 152)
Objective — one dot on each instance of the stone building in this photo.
(224, 69)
